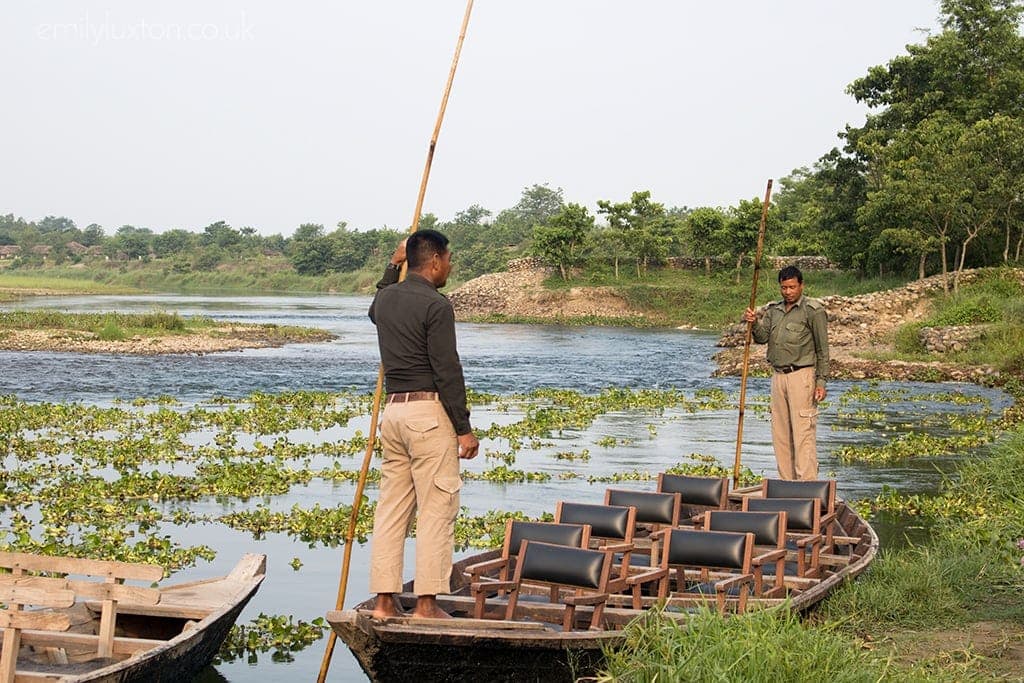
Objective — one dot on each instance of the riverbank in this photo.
(16, 287)
(863, 328)
(145, 334)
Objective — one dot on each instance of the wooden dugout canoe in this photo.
(170, 641)
(466, 649)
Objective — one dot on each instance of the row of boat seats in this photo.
(732, 555)
(48, 581)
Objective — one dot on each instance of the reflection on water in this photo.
(497, 358)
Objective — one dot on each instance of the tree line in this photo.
(933, 181)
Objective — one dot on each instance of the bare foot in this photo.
(426, 608)
(387, 605)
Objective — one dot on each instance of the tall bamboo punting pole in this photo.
(375, 411)
(750, 329)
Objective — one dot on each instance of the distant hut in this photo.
(9, 251)
(76, 248)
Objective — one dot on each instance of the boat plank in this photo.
(122, 645)
(78, 565)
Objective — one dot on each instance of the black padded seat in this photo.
(707, 548)
(766, 526)
(560, 564)
(545, 532)
(606, 521)
(800, 512)
(651, 507)
(709, 491)
(823, 490)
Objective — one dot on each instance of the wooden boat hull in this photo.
(465, 649)
(176, 638)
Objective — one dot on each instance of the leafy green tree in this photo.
(310, 251)
(221, 235)
(971, 70)
(133, 242)
(996, 149)
(645, 227)
(92, 235)
(171, 242)
(899, 250)
(739, 234)
(706, 224)
(920, 183)
(559, 243)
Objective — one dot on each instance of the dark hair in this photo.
(791, 272)
(422, 245)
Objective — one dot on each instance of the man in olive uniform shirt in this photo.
(425, 428)
(796, 332)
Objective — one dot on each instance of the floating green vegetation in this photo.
(703, 465)
(116, 482)
(486, 530)
(314, 526)
(865, 409)
(277, 633)
(582, 456)
(913, 445)
(502, 474)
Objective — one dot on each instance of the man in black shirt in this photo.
(425, 428)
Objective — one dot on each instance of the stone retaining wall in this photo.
(804, 263)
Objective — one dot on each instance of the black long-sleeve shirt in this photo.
(416, 334)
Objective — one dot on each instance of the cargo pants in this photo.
(795, 424)
(419, 476)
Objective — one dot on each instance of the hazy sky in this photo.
(271, 114)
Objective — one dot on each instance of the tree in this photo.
(646, 229)
(310, 251)
(171, 242)
(921, 183)
(92, 235)
(899, 249)
(706, 225)
(739, 234)
(134, 242)
(972, 70)
(537, 205)
(220, 234)
(559, 242)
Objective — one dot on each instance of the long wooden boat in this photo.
(171, 640)
(466, 649)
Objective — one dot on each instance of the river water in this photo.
(498, 359)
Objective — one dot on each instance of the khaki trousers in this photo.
(795, 424)
(420, 475)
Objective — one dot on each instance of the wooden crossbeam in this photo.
(77, 565)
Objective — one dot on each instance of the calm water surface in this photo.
(496, 358)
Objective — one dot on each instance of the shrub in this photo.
(159, 320)
(111, 332)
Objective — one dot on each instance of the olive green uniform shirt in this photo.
(795, 338)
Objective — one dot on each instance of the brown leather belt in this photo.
(786, 369)
(406, 396)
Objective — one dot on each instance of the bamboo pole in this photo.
(375, 411)
(750, 329)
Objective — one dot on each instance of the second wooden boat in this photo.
(535, 649)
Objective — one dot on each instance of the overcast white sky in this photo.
(271, 114)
